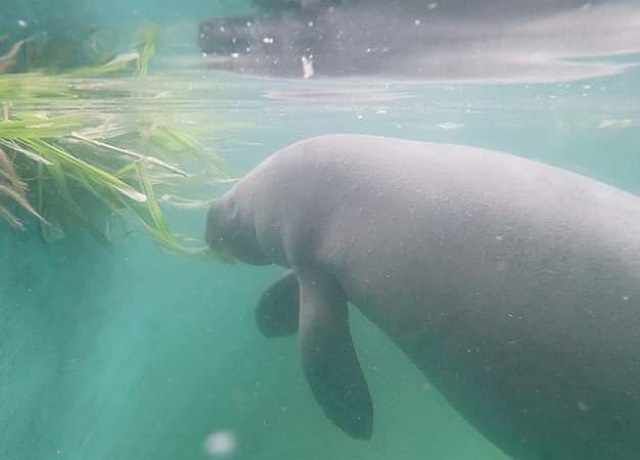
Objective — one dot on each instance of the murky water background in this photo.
(131, 353)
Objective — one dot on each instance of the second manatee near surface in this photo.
(513, 285)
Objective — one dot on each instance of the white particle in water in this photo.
(417, 22)
(307, 67)
(221, 443)
(450, 126)
(432, 6)
(22, 23)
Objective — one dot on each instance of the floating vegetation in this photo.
(8, 61)
(61, 157)
(74, 166)
(145, 43)
(12, 188)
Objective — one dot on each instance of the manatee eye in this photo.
(218, 240)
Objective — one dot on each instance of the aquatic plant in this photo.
(8, 60)
(67, 168)
(73, 163)
(145, 42)
(12, 188)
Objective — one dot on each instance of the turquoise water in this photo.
(130, 353)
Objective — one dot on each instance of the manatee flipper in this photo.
(329, 357)
(279, 307)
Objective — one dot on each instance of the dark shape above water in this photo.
(455, 40)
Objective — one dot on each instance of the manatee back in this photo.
(328, 189)
(513, 285)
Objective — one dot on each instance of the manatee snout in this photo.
(214, 235)
(220, 231)
(227, 235)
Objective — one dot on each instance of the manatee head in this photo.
(230, 235)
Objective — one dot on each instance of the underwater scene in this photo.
(464, 175)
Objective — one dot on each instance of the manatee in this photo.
(513, 285)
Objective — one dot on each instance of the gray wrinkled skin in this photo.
(514, 286)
